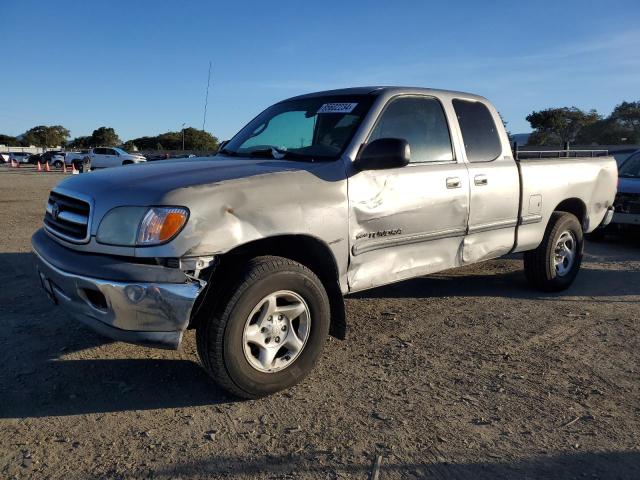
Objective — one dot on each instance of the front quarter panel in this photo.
(310, 201)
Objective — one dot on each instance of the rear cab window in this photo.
(479, 132)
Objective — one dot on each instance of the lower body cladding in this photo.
(151, 313)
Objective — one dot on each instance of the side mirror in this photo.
(384, 153)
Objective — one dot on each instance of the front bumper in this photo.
(148, 312)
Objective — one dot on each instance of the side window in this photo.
(98, 151)
(422, 123)
(111, 151)
(479, 133)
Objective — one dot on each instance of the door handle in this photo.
(480, 180)
(453, 182)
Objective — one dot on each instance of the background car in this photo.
(20, 157)
(54, 158)
(104, 157)
(627, 202)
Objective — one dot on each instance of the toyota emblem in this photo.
(55, 211)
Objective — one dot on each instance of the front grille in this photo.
(67, 217)
(627, 203)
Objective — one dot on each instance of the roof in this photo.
(380, 90)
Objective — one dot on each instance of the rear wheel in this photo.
(553, 266)
(269, 332)
(57, 164)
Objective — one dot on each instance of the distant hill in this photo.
(521, 138)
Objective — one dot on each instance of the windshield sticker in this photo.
(337, 107)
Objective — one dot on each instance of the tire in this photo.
(57, 164)
(543, 267)
(233, 361)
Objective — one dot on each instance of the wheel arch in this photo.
(575, 206)
(304, 249)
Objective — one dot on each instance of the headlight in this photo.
(160, 225)
(142, 226)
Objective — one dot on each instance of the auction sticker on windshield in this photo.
(337, 107)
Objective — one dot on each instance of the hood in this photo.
(629, 185)
(147, 183)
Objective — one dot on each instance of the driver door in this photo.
(412, 220)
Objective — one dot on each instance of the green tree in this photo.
(45, 136)
(607, 132)
(104, 136)
(80, 142)
(129, 146)
(627, 116)
(194, 139)
(9, 141)
(559, 125)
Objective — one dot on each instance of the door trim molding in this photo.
(397, 241)
(497, 225)
(528, 219)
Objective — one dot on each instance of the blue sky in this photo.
(141, 66)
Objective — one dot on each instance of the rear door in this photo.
(408, 221)
(494, 182)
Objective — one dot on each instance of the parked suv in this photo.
(104, 157)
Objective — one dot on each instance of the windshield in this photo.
(317, 128)
(631, 168)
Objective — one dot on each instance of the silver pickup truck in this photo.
(318, 196)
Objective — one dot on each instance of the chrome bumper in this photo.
(608, 217)
(156, 314)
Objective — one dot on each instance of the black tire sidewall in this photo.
(246, 377)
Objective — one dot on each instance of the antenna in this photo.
(206, 98)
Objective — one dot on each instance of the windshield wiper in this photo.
(278, 154)
(229, 153)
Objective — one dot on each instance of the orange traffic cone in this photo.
(12, 165)
(64, 167)
(17, 164)
(39, 166)
(47, 168)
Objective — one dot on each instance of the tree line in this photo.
(556, 126)
(56, 135)
(552, 126)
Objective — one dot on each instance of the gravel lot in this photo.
(465, 374)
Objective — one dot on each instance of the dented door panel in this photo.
(405, 222)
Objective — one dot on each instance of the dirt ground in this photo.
(465, 374)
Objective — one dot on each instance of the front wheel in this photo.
(270, 332)
(553, 266)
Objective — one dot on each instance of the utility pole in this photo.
(183, 137)
(206, 98)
